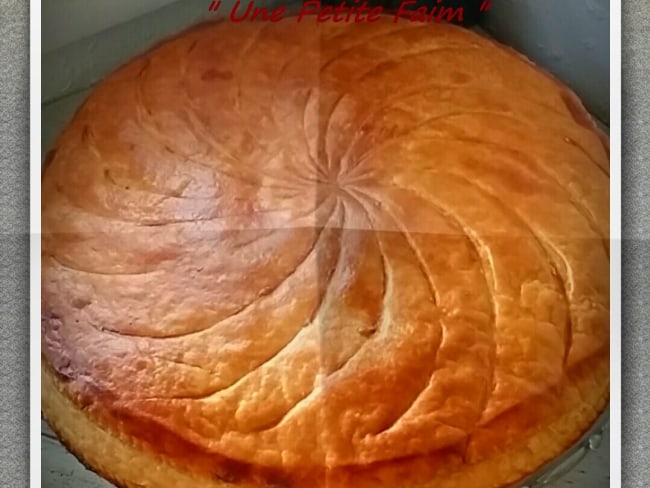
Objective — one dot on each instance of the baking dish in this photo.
(555, 470)
(568, 459)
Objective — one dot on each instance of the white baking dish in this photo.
(68, 74)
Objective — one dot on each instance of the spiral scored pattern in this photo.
(325, 245)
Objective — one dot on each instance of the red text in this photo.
(340, 13)
(356, 11)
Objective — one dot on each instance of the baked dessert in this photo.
(308, 255)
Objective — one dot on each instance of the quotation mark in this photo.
(485, 5)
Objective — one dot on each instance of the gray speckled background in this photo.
(636, 244)
(14, 243)
(14, 212)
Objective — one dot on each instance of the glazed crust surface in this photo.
(346, 255)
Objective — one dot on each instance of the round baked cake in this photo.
(308, 255)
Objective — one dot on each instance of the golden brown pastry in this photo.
(303, 255)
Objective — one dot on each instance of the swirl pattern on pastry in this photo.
(333, 245)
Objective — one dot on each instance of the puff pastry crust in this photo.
(308, 255)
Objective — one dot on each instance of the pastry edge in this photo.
(123, 463)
